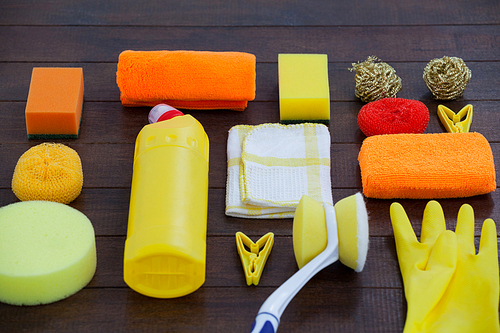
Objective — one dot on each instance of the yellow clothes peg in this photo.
(254, 260)
(451, 120)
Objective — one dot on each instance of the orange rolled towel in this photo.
(198, 80)
(426, 166)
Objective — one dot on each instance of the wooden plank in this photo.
(224, 268)
(108, 211)
(100, 83)
(212, 310)
(260, 13)
(104, 122)
(412, 43)
(100, 86)
(117, 172)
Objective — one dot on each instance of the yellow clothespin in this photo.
(451, 120)
(254, 260)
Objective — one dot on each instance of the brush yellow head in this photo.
(352, 226)
(309, 230)
(310, 237)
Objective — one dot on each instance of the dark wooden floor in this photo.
(91, 34)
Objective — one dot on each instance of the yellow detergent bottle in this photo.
(165, 250)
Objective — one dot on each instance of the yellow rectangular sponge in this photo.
(303, 88)
(54, 106)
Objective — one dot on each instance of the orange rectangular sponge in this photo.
(426, 166)
(54, 106)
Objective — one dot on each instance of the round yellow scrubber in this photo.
(47, 252)
(309, 230)
(352, 226)
(310, 235)
(48, 171)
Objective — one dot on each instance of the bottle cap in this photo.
(163, 112)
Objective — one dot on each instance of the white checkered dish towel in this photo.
(270, 167)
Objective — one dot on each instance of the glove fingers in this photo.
(433, 223)
(426, 285)
(403, 231)
(444, 254)
(465, 229)
(488, 244)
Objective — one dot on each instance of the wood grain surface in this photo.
(91, 34)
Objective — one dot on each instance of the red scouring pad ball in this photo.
(393, 116)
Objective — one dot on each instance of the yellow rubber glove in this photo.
(468, 302)
(426, 266)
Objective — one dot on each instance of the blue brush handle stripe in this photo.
(265, 323)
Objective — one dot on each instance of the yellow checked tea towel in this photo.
(270, 167)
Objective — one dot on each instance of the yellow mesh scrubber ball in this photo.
(49, 171)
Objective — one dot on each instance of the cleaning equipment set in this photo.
(446, 79)
(346, 222)
(48, 249)
(165, 250)
(377, 84)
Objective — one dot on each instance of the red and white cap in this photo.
(163, 112)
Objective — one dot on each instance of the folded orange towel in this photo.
(426, 166)
(187, 79)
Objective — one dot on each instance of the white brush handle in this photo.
(272, 309)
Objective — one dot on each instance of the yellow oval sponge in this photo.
(352, 226)
(309, 230)
(47, 252)
(49, 171)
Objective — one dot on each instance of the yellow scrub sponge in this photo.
(310, 234)
(309, 230)
(303, 88)
(352, 226)
(49, 171)
(47, 252)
